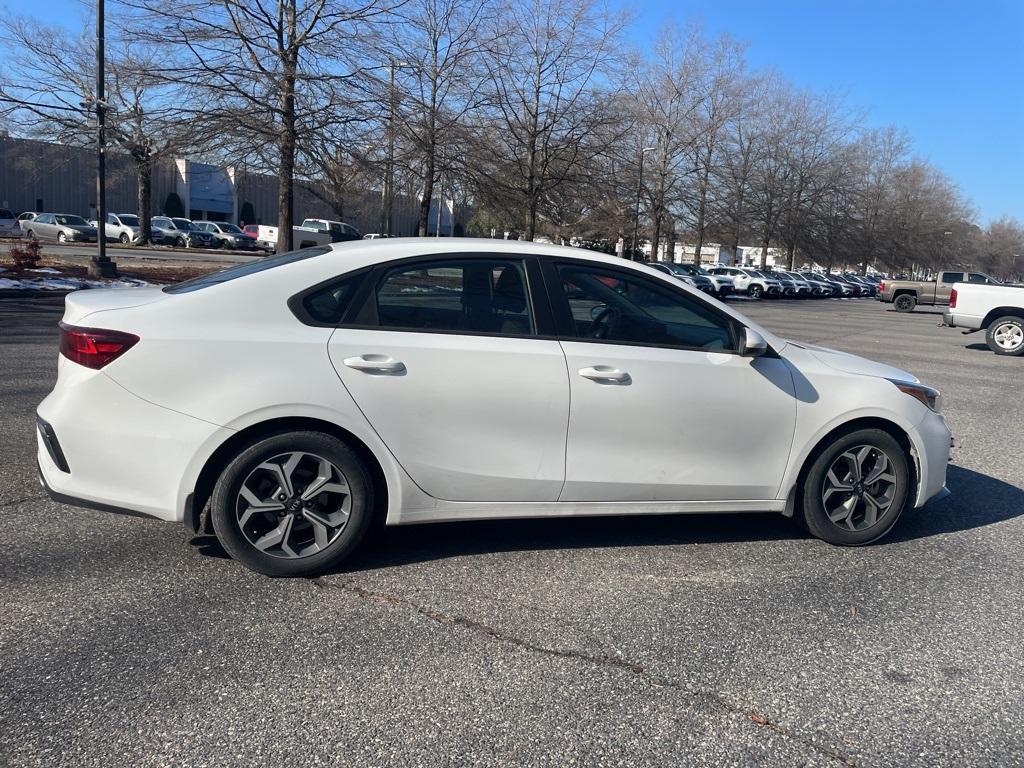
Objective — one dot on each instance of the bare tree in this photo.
(543, 105)
(269, 78)
(50, 85)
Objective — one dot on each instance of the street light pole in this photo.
(102, 262)
(389, 181)
(636, 210)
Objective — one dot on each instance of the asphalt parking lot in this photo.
(731, 640)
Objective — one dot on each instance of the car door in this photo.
(446, 363)
(45, 226)
(945, 284)
(662, 406)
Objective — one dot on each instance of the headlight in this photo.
(931, 398)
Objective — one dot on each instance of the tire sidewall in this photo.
(817, 521)
(991, 332)
(755, 291)
(905, 303)
(225, 523)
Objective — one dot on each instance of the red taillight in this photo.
(94, 347)
(881, 287)
(952, 299)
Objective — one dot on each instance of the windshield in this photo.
(249, 268)
(184, 224)
(230, 228)
(129, 220)
(72, 221)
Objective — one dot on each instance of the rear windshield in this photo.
(5, 214)
(249, 268)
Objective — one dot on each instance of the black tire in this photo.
(1008, 325)
(812, 507)
(225, 499)
(755, 291)
(181, 242)
(905, 302)
(31, 235)
(124, 238)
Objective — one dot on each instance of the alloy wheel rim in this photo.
(1008, 336)
(859, 488)
(293, 505)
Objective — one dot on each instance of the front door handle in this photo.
(375, 364)
(605, 374)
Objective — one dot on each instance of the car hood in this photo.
(861, 366)
(78, 227)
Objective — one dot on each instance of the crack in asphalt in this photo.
(16, 502)
(712, 698)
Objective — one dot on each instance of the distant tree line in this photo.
(536, 113)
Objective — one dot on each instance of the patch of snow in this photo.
(69, 283)
(5, 283)
(46, 270)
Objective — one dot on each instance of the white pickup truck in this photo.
(996, 309)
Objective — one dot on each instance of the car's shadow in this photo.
(977, 500)
(917, 311)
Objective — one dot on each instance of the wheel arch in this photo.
(999, 312)
(199, 496)
(863, 422)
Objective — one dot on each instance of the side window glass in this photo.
(458, 296)
(952, 277)
(974, 277)
(611, 306)
(329, 304)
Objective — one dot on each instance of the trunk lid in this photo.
(79, 305)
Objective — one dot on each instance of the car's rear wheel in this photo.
(905, 302)
(1005, 335)
(293, 504)
(857, 488)
(755, 291)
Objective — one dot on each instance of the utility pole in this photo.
(102, 265)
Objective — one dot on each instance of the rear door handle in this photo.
(375, 364)
(605, 374)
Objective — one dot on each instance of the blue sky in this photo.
(950, 71)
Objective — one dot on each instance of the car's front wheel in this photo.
(124, 238)
(61, 237)
(857, 488)
(293, 504)
(1005, 335)
(755, 291)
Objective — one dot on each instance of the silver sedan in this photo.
(62, 227)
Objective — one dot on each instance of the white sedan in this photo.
(300, 397)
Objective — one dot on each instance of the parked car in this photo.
(839, 289)
(374, 236)
(688, 274)
(121, 228)
(165, 232)
(227, 235)
(992, 307)
(350, 421)
(339, 231)
(252, 231)
(25, 217)
(864, 283)
(904, 295)
(62, 227)
(722, 284)
(9, 226)
(790, 287)
(750, 282)
(812, 288)
(195, 236)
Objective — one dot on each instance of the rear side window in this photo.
(456, 296)
(952, 277)
(327, 304)
(249, 268)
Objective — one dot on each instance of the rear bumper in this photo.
(121, 453)
(954, 320)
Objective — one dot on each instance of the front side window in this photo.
(608, 305)
(456, 296)
(952, 277)
(978, 277)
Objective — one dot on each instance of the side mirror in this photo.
(752, 343)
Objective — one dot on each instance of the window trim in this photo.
(362, 311)
(564, 321)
